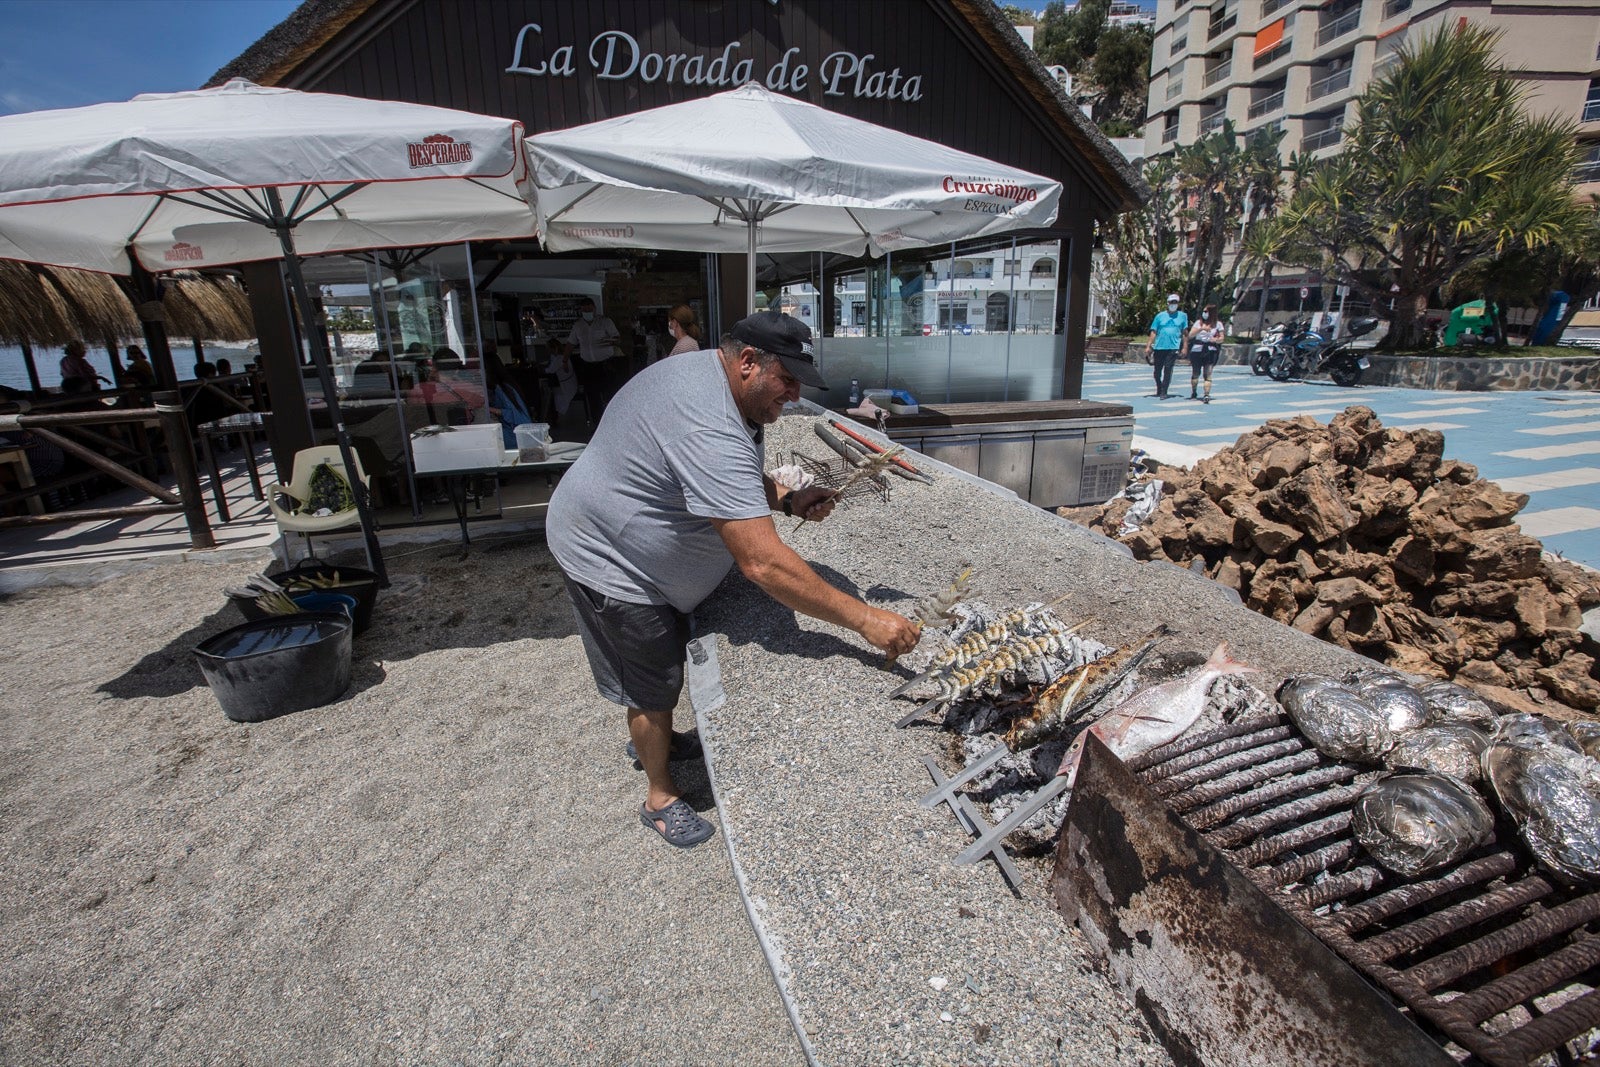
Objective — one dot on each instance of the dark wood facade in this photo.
(945, 71)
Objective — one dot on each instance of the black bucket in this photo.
(353, 581)
(277, 665)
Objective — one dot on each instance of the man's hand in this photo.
(813, 503)
(893, 633)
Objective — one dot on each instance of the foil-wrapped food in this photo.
(1417, 823)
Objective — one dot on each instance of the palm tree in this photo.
(1442, 168)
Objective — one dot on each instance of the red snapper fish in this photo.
(1155, 715)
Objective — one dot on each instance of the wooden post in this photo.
(180, 453)
(116, 361)
(33, 370)
(153, 318)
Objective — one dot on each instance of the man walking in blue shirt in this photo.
(1167, 330)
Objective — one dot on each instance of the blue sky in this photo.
(68, 53)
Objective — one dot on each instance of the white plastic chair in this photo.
(289, 503)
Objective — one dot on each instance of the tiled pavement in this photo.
(1544, 444)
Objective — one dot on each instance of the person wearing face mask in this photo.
(684, 330)
(1205, 346)
(593, 340)
(1166, 340)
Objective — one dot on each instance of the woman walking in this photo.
(1205, 348)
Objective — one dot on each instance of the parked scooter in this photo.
(1337, 359)
(1270, 342)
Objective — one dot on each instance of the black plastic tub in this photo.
(273, 666)
(353, 581)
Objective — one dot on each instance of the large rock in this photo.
(1572, 681)
(1491, 599)
(1273, 539)
(1505, 553)
(1483, 505)
(1283, 459)
(1310, 501)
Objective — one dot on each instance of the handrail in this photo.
(168, 410)
(1266, 105)
(1217, 73)
(1339, 27)
(1326, 85)
(1395, 7)
(1591, 111)
(1322, 139)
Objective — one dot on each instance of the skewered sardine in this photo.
(1077, 691)
(1551, 792)
(1020, 623)
(1155, 715)
(1452, 748)
(1416, 823)
(1336, 719)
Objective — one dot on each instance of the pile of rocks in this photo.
(1369, 538)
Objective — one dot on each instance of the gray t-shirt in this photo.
(630, 518)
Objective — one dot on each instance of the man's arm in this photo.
(774, 566)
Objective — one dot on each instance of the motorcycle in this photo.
(1340, 361)
(1262, 357)
(1337, 359)
(1296, 353)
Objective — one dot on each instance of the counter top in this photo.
(1006, 411)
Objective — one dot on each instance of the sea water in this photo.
(14, 371)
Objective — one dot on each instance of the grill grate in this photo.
(1460, 949)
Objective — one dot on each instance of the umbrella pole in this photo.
(330, 394)
(751, 229)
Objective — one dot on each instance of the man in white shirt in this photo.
(593, 340)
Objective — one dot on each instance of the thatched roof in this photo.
(54, 305)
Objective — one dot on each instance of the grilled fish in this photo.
(1551, 792)
(1078, 690)
(1340, 722)
(1416, 823)
(1155, 715)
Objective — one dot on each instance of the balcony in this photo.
(1212, 123)
(1266, 105)
(1330, 136)
(1331, 84)
(1218, 27)
(1266, 59)
(1395, 7)
(1587, 172)
(1591, 111)
(1175, 86)
(1269, 6)
(1339, 27)
(1169, 135)
(1217, 73)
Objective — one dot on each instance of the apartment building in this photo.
(1300, 64)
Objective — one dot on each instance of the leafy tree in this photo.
(1441, 169)
(1018, 16)
(1121, 77)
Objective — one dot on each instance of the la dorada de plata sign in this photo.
(617, 56)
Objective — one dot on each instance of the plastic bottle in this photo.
(855, 392)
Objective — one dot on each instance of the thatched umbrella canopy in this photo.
(54, 305)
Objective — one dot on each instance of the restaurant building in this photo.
(1001, 319)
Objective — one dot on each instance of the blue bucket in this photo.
(321, 601)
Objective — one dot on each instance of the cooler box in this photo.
(459, 448)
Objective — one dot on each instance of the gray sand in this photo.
(443, 866)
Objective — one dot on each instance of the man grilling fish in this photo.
(667, 497)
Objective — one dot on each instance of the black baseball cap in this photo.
(785, 337)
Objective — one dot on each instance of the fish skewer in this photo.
(1009, 656)
(874, 447)
(936, 608)
(1075, 692)
(975, 644)
(871, 468)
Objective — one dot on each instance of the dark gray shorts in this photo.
(635, 650)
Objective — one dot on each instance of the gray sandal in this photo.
(683, 828)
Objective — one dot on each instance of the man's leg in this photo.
(652, 740)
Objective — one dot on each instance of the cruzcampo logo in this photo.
(439, 149)
(183, 252)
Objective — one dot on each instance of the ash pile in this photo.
(1370, 539)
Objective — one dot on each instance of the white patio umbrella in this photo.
(243, 172)
(751, 170)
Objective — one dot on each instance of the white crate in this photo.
(460, 448)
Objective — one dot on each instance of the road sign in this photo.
(1304, 292)
(927, 329)
(1342, 290)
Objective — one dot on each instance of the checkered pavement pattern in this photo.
(1545, 444)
